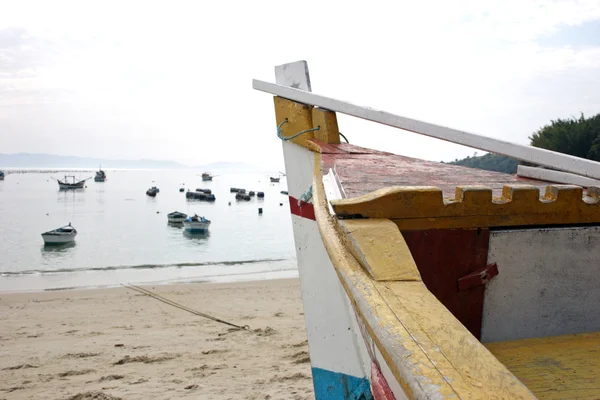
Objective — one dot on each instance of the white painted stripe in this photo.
(550, 175)
(299, 165)
(332, 190)
(530, 154)
(328, 317)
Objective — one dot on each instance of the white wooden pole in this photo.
(529, 154)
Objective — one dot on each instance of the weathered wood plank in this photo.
(379, 247)
(559, 367)
(555, 176)
(530, 154)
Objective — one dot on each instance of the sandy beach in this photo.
(119, 344)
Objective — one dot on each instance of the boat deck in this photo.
(560, 367)
(362, 170)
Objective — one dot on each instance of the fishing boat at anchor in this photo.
(207, 176)
(425, 280)
(196, 224)
(152, 191)
(100, 176)
(65, 234)
(70, 182)
(176, 217)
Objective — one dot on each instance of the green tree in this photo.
(575, 136)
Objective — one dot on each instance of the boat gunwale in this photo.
(414, 363)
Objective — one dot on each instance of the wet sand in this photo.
(117, 343)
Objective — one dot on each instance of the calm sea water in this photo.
(123, 235)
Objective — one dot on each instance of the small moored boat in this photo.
(207, 176)
(176, 216)
(65, 234)
(100, 176)
(152, 191)
(196, 224)
(70, 182)
(274, 179)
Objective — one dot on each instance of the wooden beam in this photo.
(529, 154)
(550, 175)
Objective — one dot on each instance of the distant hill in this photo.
(490, 162)
(36, 160)
(52, 161)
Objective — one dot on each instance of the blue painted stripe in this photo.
(337, 386)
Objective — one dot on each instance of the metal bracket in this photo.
(477, 278)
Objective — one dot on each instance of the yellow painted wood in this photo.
(429, 352)
(327, 122)
(299, 118)
(423, 207)
(379, 247)
(560, 367)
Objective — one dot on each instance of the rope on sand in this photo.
(180, 306)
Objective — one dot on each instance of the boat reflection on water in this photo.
(178, 225)
(57, 251)
(197, 236)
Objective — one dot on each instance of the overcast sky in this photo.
(173, 80)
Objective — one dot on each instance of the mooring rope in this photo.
(286, 138)
(180, 306)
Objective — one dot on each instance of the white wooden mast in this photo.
(525, 153)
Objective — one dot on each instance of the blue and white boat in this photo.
(196, 224)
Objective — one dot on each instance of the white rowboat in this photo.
(65, 234)
(176, 216)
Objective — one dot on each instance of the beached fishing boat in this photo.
(70, 182)
(196, 224)
(65, 234)
(100, 176)
(176, 216)
(423, 280)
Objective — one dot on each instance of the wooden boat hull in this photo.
(409, 278)
(58, 239)
(338, 352)
(194, 226)
(68, 186)
(177, 217)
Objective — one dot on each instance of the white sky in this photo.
(172, 80)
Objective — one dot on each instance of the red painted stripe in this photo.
(379, 386)
(304, 210)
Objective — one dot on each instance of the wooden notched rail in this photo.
(474, 207)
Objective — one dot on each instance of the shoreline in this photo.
(123, 344)
(290, 274)
(110, 277)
